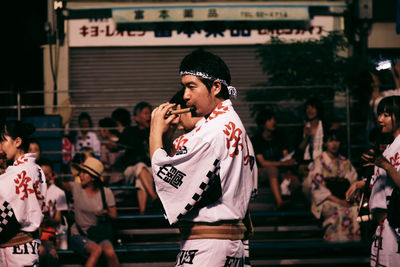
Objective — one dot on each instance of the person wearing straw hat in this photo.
(89, 209)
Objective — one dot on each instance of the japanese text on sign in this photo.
(87, 33)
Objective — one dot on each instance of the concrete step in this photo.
(299, 253)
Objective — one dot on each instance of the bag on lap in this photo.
(104, 228)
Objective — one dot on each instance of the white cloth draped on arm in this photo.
(177, 190)
(211, 176)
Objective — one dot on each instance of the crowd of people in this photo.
(314, 169)
(202, 183)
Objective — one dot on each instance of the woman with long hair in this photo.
(22, 198)
(385, 184)
(311, 144)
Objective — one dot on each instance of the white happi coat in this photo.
(382, 184)
(380, 196)
(210, 178)
(23, 189)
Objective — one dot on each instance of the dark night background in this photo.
(22, 37)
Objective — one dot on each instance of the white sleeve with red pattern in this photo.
(23, 186)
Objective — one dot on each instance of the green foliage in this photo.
(310, 62)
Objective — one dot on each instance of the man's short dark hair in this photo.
(263, 116)
(140, 106)
(109, 123)
(213, 65)
(122, 115)
(44, 162)
(85, 116)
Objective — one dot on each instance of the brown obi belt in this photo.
(21, 238)
(233, 230)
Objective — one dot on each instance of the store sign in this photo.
(88, 33)
(202, 13)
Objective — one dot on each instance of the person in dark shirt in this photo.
(270, 153)
(135, 163)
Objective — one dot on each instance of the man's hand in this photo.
(159, 122)
(159, 125)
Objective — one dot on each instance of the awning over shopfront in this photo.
(250, 15)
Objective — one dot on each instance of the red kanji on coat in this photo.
(220, 109)
(20, 160)
(22, 185)
(180, 142)
(233, 140)
(395, 160)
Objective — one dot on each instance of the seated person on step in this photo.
(329, 178)
(270, 154)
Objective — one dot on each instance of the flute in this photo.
(180, 111)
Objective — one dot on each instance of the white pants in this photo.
(211, 253)
(22, 255)
(385, 247)
(131, 174)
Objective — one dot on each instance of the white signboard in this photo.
(252, 12)
(100, 33)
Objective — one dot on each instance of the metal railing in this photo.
(21, 95)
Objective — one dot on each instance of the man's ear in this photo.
(217, 87)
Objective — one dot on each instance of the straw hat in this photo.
(92, 166)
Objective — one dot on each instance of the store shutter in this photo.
(123, 76)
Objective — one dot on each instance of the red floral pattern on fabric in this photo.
(67, 149)
(233, 140)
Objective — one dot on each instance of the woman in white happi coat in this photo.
(386, 178)
(22, 198)
(206, 185)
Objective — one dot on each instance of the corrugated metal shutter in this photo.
(126, 76)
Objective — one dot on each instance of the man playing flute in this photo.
(206, 185)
